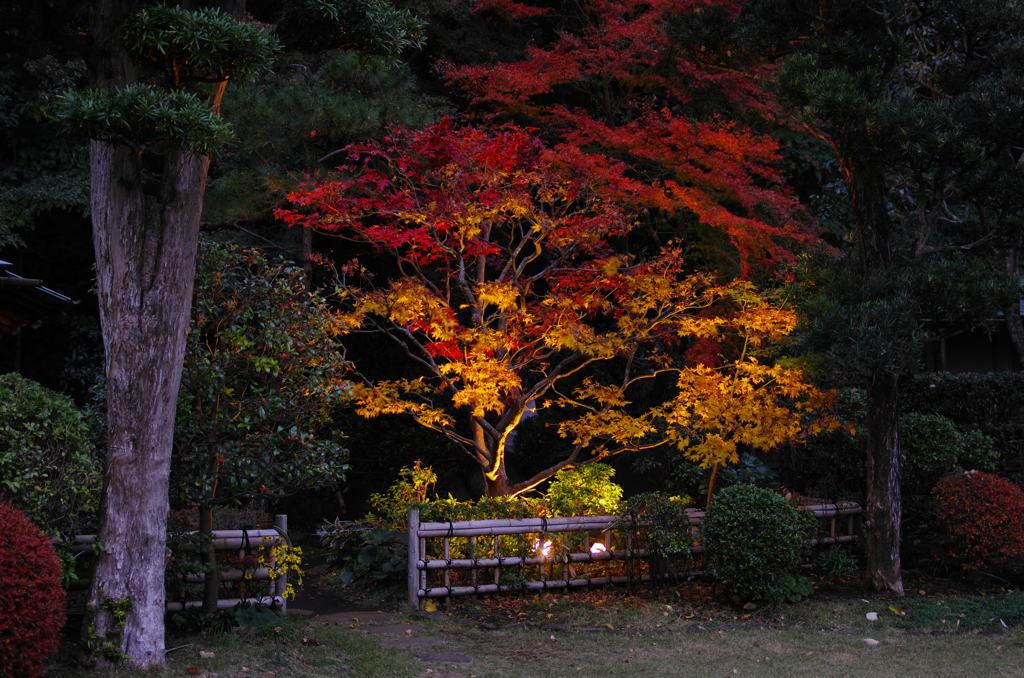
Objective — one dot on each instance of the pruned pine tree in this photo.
(159, 75)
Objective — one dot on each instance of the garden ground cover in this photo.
(941, 628)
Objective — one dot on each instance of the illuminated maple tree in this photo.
(515, 277)
(623, 79)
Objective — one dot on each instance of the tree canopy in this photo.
(514, 279)
(621, 78)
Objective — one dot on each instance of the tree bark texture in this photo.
(865, 182)
(1014, 324)
(145, 264)
(884, 504)
(866, 185)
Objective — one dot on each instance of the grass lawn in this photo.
(672, 631)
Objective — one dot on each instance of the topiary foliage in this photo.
(983, 519)
(31, 596)
(753, 539)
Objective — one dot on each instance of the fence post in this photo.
(414, 556)
(281, 583)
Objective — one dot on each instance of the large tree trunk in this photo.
(865, 181)
(145, 264)
(884, 501)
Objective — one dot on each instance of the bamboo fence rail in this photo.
(476, 574)
(239, 541)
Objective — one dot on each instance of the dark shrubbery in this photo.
(48, 466)
(31, 596)
(933, 447)
(991, 403)
(983, 519)
(753, 539)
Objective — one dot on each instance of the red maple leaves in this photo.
(615, 83)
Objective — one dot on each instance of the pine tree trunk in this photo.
(1014, 325)
(145, 264)
(865, 182)
(884, 505)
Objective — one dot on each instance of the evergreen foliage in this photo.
(49, 468)
(261, 378)
(584, 491)
(367, 26)
(184, 52)
(933, 447)
(753, 539)
(290, 124)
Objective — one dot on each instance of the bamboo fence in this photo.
(476, 564)
(241, 542)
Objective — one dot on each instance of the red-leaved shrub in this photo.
(983, 516)
(31, 596)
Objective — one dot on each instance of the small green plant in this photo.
(837, 563)
(369, 550)
(753, 539)
(796, 589)
(193, 620)
(660, 525)
(413, 486)
(933, 447)
(264, 621)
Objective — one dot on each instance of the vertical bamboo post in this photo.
(472, 554)
(448, 568)
(422, 556)
(281, 584)
(414, 557)
(586, 549)
(497, 568)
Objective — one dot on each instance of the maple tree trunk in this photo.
(884, 505)
(496, 483)
(145, 263)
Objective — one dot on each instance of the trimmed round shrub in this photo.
(48, 466)
(982, 516)
(753, 539)
(31, 596)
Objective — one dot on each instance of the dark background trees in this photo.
(919, 103)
